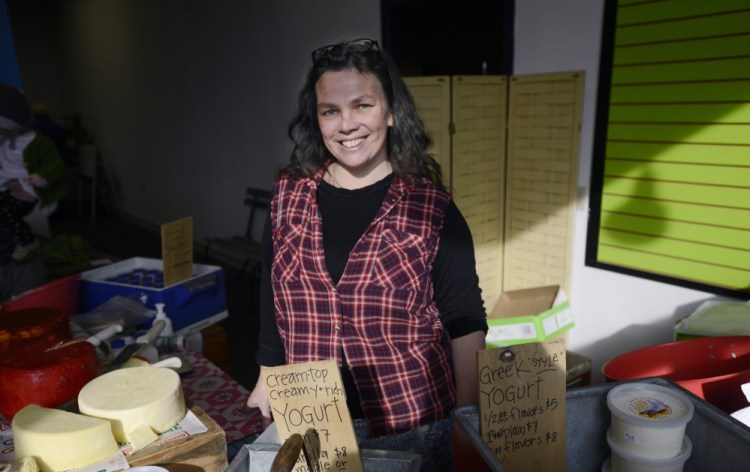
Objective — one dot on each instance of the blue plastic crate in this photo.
(192, 304)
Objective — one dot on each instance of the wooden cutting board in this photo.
(201, 452)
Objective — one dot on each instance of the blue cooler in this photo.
(192, 304)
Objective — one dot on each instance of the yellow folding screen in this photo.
(672, 145)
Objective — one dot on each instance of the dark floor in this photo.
(233, 347)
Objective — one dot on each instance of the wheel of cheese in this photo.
(60, 440)
(140, 402)
(44, 374)
(33, 324)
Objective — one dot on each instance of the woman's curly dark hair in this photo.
(407, 139)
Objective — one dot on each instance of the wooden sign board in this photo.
(177, 250)
(522, 405)
(309, 399)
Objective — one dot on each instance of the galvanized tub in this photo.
(720, 442)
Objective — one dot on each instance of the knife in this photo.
(132, 349)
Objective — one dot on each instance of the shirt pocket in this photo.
(287, 241)
(401, 261)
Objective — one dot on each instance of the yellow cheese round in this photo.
(60, 440)
(140, 402)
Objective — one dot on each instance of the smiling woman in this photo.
(368, 261)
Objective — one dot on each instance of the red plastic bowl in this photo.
(61, 294)
(713, 368)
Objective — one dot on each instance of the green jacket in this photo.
(41, 157)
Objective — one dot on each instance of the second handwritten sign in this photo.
(522, 405)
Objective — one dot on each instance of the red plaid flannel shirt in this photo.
(381, 314)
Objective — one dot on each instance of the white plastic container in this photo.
(648, 420)
(622, 460)
(161, 315)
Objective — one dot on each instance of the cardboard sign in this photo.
(309, 399)
(522, 405)
(177, 250)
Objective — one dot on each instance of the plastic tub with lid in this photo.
(624, 461)
(648, 420)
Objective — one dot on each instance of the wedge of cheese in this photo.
(140, 402)
(60, 440)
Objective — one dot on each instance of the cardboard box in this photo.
(529, 315)
(192, 304)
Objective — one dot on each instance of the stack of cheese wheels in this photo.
(140, 402)
(60, 440)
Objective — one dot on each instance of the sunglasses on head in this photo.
(356, 45)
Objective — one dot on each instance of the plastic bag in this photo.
(717, 318)
(129, 312)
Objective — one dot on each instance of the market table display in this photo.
(205, 448)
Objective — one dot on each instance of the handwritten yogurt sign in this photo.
(522, 405)
(309, 399)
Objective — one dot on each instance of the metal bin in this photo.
(720, 442)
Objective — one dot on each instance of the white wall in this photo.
(614, 313)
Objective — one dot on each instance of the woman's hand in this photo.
(37, 180)
(17, 192)
(259, 399)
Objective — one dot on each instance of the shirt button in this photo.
(338, 327)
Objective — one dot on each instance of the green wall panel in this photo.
(684, 28)
(709, 133)
(703, 194)
(688, 113)
(736, 218)
(679, 231)
(678, 268)
(685, 173)
(675, 179)
(725, 69)
(640, 12)
(726, 91)
(716, 154)
(699, 48)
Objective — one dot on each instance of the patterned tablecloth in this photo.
(220, 396)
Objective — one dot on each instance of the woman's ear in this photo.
(390, 119)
